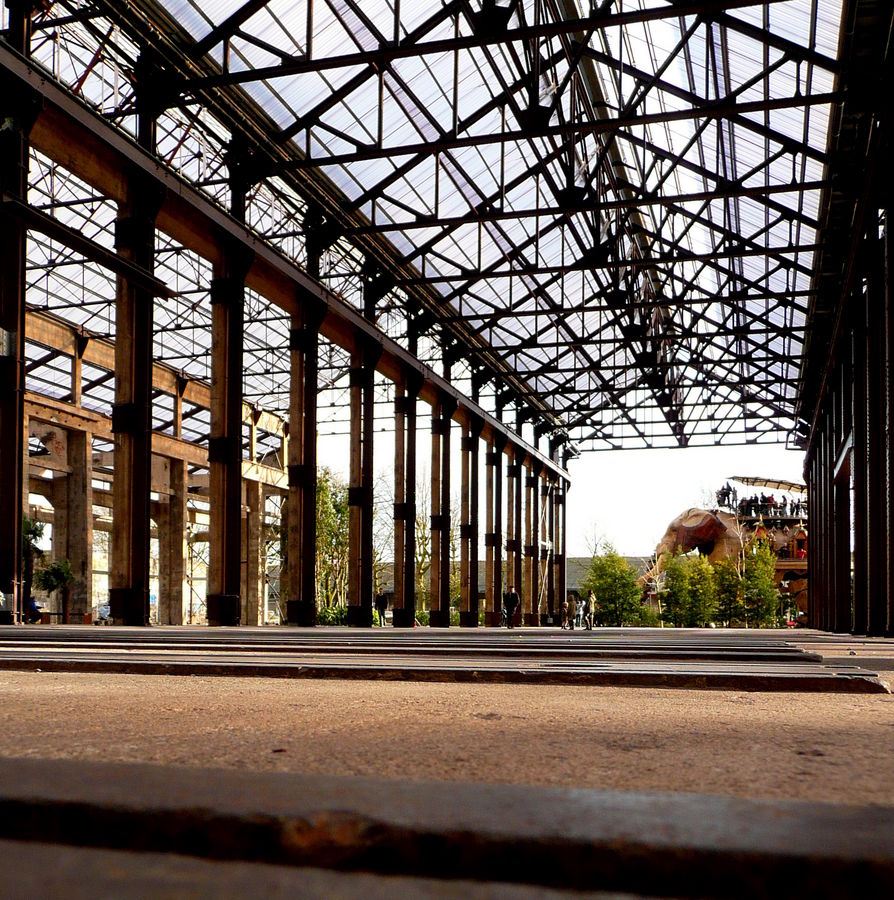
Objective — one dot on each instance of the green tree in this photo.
(759, 590)
(675, 595)
(613, 583)
(729, 592)
(332, 539)
(56, 576)
(702, 606)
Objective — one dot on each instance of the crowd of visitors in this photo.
(760, 504)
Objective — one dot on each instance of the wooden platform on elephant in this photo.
(671, 658)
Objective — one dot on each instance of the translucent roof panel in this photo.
(612, 207)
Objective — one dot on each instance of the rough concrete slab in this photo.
(672, 845)
(30, 870)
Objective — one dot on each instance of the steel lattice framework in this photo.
(608, 214)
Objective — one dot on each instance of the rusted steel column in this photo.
(17, 113)
(475, 428)
(532, 614)
(532, 551)
(562, 544)
(448, 408)
(304, 340)
(877, 519)
(405, 615)
(434, 571)
(468, 614)
(355, 491)
(889, 411)
(489, 466)
(829, 527)
(517, 570)
(857, 312)
(400, 509)
(495, 561)
(511, 523)
(554, 607)
(132, 411)
(464, 526)
(225, 445)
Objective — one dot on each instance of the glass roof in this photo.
(612, 206)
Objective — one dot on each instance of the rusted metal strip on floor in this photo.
(626, 674)
(682, 845)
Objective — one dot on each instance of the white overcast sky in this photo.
(630, 497)
(625, 497)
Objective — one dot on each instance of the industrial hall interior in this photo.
(452, 249)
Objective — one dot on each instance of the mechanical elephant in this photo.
(717, 535)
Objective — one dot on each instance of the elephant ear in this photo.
(698, 527)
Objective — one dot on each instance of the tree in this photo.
(729, 592)
(759, 589)
(56, 576)
(613, 583)
(702, 606)
(332, 539)
(676, 590)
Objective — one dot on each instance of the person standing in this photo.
(572, 611)
(512, 601)
(381, 607)
(589, 610)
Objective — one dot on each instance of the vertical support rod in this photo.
(465, 580)
(355, 488)
(14, 153)
(435, 524)
(400, 514)
(511, 534)
(489, 601)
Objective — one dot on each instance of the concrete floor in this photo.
(824, 747)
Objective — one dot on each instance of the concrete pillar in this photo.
(254, 593)
(17, 111)
(172, 547)
(80, 524)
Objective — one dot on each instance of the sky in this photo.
(625, 497)
(630, 497)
